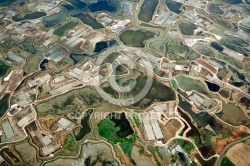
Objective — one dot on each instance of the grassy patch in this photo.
(224, 135)
(174, 84)
(127, 145)
(142, 150)
(69, 143)
(186, 145)
(107, 130)
(173, 159)
(137, 120)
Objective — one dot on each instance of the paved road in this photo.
(228, 147)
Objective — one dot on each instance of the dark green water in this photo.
(4, 104)
(147, 10)
(201, 119)
(77, 3)
(85, 129)
(136, 38)
(30, 16)
(103, 45)
(102, 5)
(62, 29)
(6, 2)
(187, 27)
(174, 6)
(4, 68)
(122, 123)
(54, 19)
(233, 1)
(77, 57)
(237, 41)
(87, 19)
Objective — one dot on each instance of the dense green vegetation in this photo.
(173, 159)
(127, 145)
(186, 145)
(224, 135)
(226, 162)
(107, 130)
(137, 120)
(69, 142)
(174, 84)
(142, 150)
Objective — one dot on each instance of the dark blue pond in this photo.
(79, 4)
(102, 45)
(181, 156)
(67, 6)
(217, 46)
(237, 84)
(6, 2)
(234, 1)
(101, 6)
(43, 63)
(77, 57)
(213, 87)
(202, 118)
(174, 6)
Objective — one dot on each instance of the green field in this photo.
(186, 145)
(107, 130)
(137, 120)
(69, 142)
(226, 162)
(127, 145)
(174, 84)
